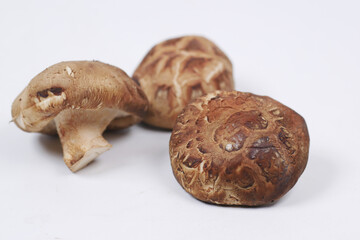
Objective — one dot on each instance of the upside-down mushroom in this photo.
(78, 100)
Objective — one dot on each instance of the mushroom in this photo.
(178, 70)
(234, 148)
(78, 100)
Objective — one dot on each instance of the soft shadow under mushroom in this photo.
(153, 128)
(51, 144)
(112, 135)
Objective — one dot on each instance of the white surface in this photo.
(302, 53)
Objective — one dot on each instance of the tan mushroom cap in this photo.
(236, 148)
(79, 100)
(178, 70)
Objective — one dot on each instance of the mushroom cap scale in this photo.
(178, 70)
(234, 148)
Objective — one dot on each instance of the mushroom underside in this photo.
(80, 132)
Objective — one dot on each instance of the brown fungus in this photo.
(178, 70)
(78, 100)
(244, 154)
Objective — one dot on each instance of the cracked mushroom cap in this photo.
(178, 70)
(236, 148)
(79, 100)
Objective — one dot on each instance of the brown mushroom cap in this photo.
(236, 148)
(76, 85)
(79, 100)
(178, 70)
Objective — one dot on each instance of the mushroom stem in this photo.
(80, 133)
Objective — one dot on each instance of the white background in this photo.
(305, 54)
